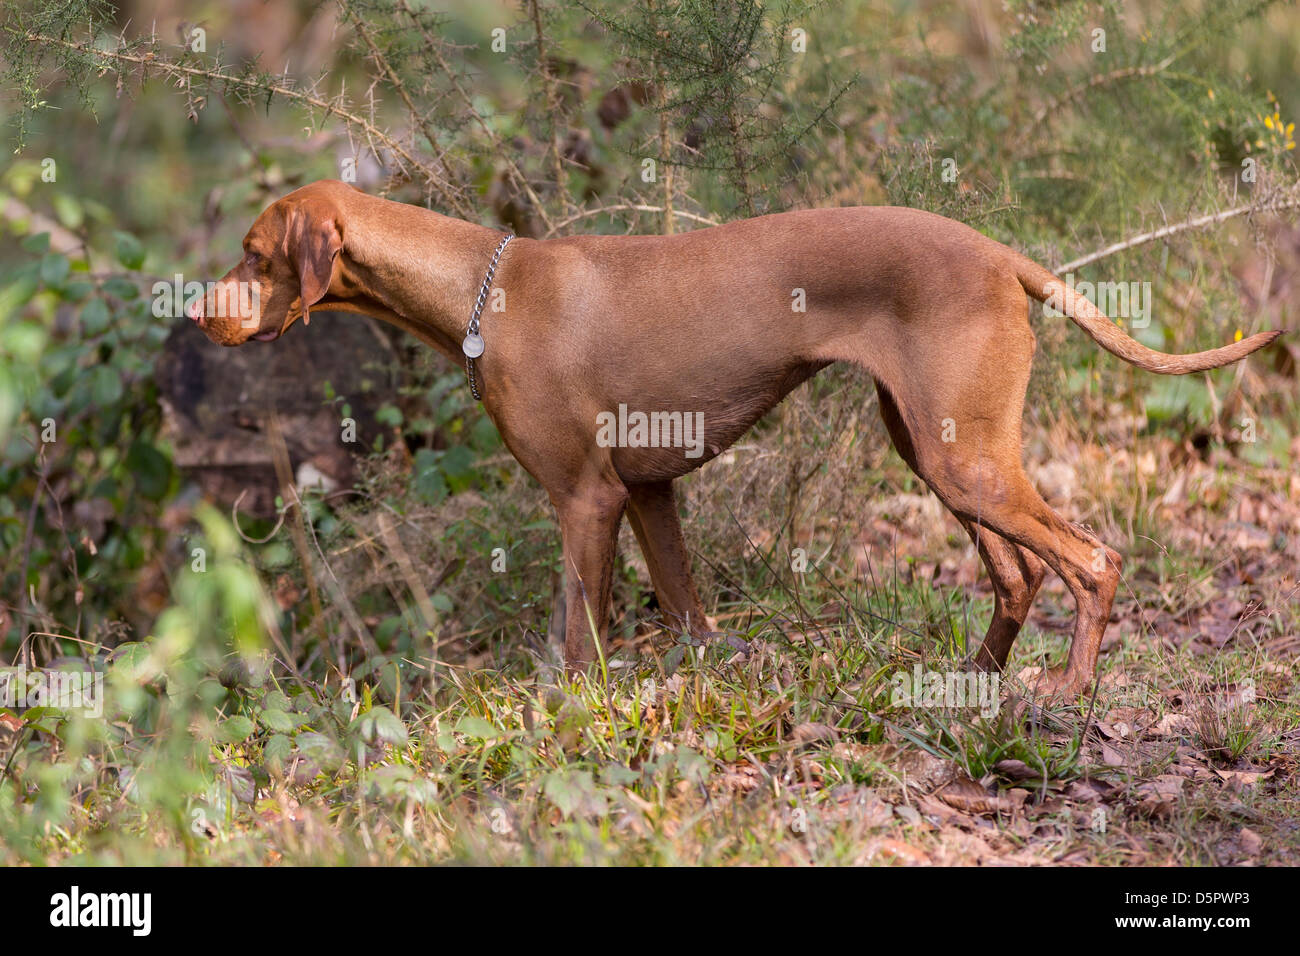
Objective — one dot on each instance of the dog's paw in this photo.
(1054, 682)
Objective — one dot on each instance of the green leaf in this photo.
(77, 290)
(673, 659)
(68, 210)
(476, 727)
(95, 316)
(322, 750)
(235, 729)
(484, 436)
(129, 251)
(389, 415)
(38, 243)
(427, 482)
(570, 790)
(380, 725)
(120, 288)
(17, 294)
(133, 663)
(276, 720)
(54, 268)
(458, 465)
(150, 468)
(105, 385)
(277, 749)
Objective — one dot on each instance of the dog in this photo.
(589, 338)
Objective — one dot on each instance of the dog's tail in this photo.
(1045, 287)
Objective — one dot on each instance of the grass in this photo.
(799, 741)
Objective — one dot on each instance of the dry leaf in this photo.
(1251, 843)
(1172, 725)
(810, 732)
(902, 852)
(1016, 770)
(1236, 779)
(964, 794)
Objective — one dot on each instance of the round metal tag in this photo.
(473, 345)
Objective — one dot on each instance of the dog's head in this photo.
(290, 260)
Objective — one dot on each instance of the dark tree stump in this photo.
(218, 402)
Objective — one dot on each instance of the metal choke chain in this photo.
(473, 344)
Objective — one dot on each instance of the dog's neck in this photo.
(413, 268)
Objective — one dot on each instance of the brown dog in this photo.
(601, 335)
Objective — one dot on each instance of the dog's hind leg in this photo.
(966, 446)
(1014, 571)
(652, 512)
(1016, 574)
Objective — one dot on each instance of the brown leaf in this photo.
(1016, 770)
(1088, 791)
(1113, 757)
(939, 811)
(741, 777)
(1237, 779)
(1160, 796)
(810, 732)
(902, 852)
(925, 769)
(965, 794)
(1251, 843)
(1172, 725)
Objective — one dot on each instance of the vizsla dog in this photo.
(714, 327)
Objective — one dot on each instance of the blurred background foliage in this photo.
(144, 137)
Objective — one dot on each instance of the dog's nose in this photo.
(195, 311)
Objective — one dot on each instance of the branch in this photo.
(1166, 231)
(1074, 92)
(626, 207)
(416, 117)
(152, 61)
(665, 136)
(552, 107)
(493, 138)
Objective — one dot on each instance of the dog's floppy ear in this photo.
(312, 244)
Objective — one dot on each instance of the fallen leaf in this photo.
(1016, 770)
(1251, 843)
(810, 732)
(1172, 725)
(902, 852)
(965, 794)
(1236, 779)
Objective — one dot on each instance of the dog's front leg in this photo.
(589, 520)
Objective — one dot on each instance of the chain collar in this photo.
(473, 344)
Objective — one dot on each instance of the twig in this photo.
(416, 116)
(1074, 92)
(297, 530)
(234, 520)
(335, 586)
(404, 563)
(467, 101)
(552, 108)
(587, 214)
(29, 536)
(330, 108)
(1166, 231)
(668, 224)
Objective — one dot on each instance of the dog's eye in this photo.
(252, 258)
